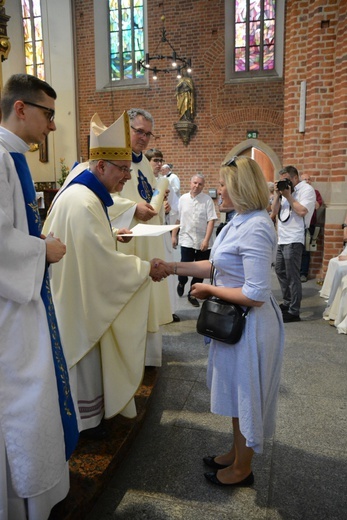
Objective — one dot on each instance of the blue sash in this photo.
(67, 410)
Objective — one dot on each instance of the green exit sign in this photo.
(252, 134)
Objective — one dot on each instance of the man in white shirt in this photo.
(196, 216)
(294, 204)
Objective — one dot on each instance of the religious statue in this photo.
(185, 98)
(4, 39)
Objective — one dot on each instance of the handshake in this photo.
(160, 269)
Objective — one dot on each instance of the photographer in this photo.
(293, 203)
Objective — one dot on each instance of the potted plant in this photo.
(64, 171)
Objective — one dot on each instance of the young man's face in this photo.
(37, 117)
(156, 163)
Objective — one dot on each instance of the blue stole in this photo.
(143, 186)
(88, 179)
(67, 410)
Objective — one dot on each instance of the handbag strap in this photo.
(245, 312)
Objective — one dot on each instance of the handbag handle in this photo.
(212, 273)
(244, 314)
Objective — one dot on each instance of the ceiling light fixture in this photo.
(156, 63)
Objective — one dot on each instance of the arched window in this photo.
(119, 48)
(33, 41)
(254, 38)
(126, 38)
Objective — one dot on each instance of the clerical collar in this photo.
(88, 179)
(136, 158)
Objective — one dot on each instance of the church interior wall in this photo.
(60, 73)
(224, 111)
(314, 52)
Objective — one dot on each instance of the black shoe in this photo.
(180, 289)
(175, 318)
(209, 461)
(288, 317)
(193, 301)
(246, 482)
(284, 308)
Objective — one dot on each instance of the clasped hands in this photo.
(55, 249)
(159, 269)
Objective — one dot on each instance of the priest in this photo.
(101, 295)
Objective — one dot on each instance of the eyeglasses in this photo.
(51, 112)
(123, 169)
(231, 162)
(142, 133)
(155, 159)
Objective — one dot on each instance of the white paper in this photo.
(147, 230)
(124, 220)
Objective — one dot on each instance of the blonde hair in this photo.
(246, 184)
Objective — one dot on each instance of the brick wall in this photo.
(315, 51)
(224, 112)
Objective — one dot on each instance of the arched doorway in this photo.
(263, 154)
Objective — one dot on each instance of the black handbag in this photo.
(221, 320)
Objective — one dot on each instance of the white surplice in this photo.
(32, 449)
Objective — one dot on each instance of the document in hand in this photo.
(147, 230)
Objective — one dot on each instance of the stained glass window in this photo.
(255, 25)
(126, 19)
(33, 41)
(254, 38)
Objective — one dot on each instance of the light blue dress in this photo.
(244, 378)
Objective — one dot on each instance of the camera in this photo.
(285, 184)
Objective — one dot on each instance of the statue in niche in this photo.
(185, 95)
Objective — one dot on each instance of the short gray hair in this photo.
(200, 175)
(134, 112)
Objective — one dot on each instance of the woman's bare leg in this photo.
(228, 458)
(241, 467)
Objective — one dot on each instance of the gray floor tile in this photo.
(302, 473)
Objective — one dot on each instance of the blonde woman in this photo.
(243, 378)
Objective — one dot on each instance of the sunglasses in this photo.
(231, 162)
(155, 159)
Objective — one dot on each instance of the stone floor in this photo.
(94, 462)
(152, 468)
